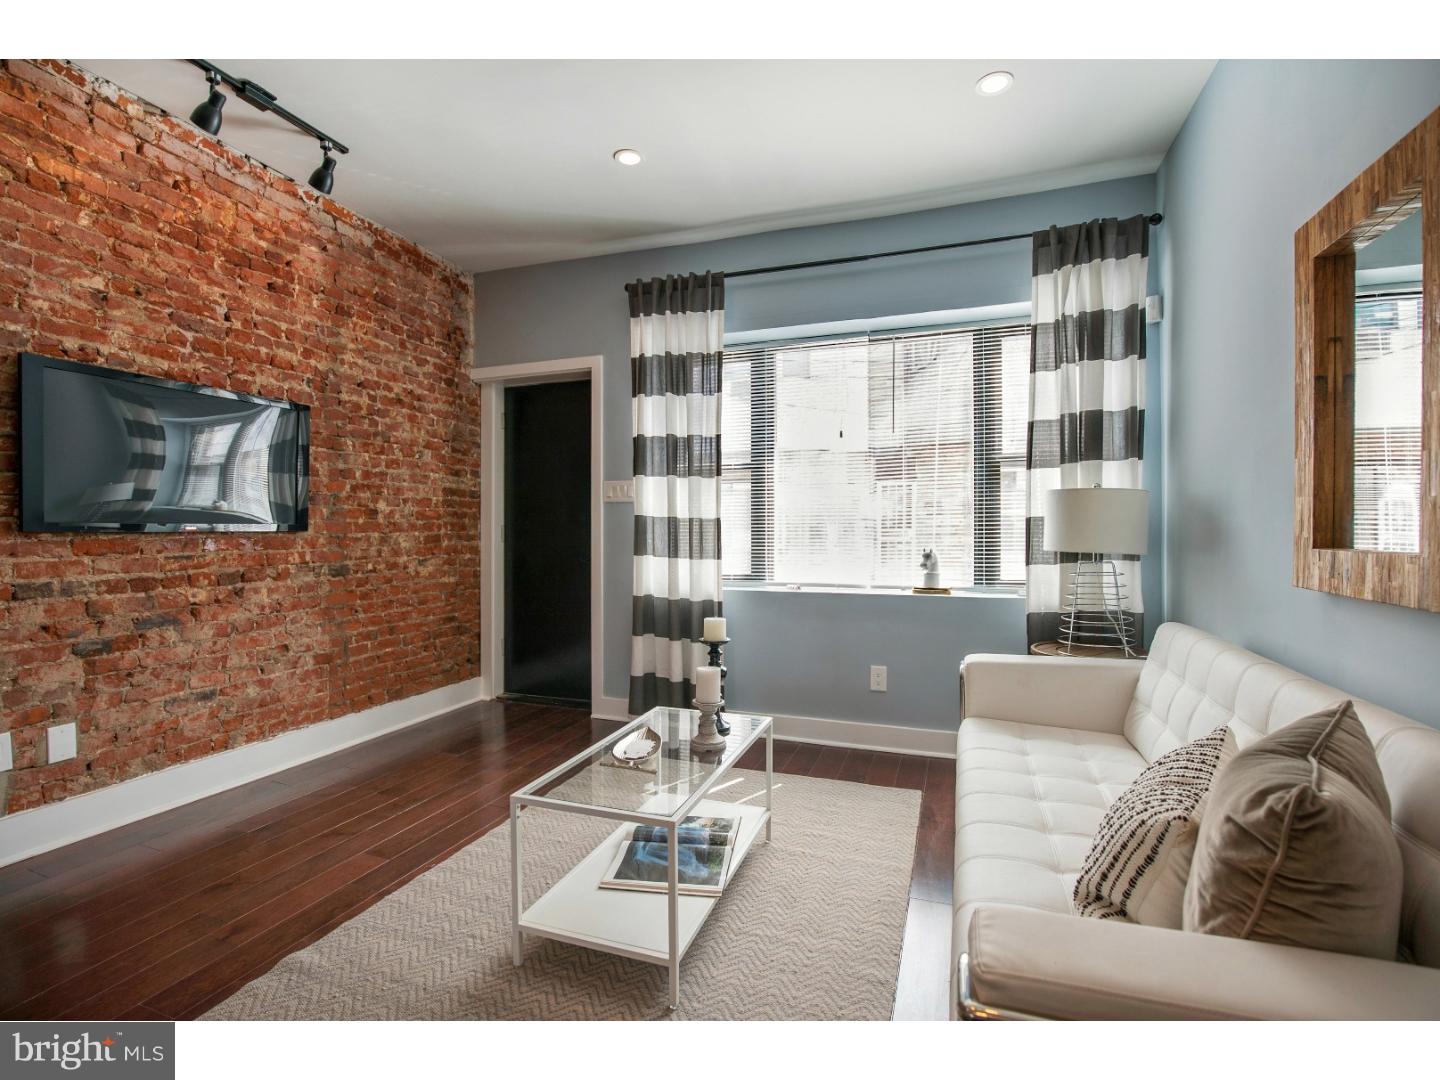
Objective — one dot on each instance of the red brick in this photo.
(131, 239)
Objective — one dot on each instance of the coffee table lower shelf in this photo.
(578, 911)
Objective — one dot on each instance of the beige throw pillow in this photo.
(1297, 847)
(1140, 857)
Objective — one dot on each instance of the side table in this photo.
(1054, 648)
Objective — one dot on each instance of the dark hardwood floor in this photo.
(165, 917)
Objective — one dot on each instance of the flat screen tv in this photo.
(106, 450)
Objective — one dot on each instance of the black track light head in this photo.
(323, 178)
(207, 114)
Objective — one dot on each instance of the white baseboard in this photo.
(610, 708)
(602, 708)
(850, 734)
(866, 735)
(31, 832)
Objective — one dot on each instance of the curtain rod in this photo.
(1153, 219)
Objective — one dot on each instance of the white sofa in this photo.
(1045, 746)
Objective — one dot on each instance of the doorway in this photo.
(547, 542)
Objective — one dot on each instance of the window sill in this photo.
(838, 590)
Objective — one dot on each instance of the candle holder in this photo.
(707, 733)
(717, 649)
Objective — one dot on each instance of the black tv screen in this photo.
(106, 450)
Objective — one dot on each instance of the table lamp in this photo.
(1097, 523)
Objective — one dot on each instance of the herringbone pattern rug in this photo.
(810, 928)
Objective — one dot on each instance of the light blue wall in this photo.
(1266, 146)
(809, 654)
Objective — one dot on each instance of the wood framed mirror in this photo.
(1367, 382)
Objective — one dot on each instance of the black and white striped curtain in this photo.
(1087, 390)
(677, 332)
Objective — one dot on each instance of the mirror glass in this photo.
(1385, 450)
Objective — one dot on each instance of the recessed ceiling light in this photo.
(997, 82)
(627, 157)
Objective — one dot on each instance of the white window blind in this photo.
(843, 460)
(1388, 394)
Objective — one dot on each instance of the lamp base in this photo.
(1095, 616)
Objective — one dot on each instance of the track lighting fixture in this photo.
(207, 114)
(323, 178)
(207, 117)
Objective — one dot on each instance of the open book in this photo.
(705, 848)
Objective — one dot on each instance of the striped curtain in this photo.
(677, 331)
(1087, 391)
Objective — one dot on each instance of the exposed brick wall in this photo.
(131, 239)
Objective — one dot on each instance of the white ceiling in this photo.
(506, 163)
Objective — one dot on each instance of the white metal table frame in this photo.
(670, 823)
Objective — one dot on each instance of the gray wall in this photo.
(808, 654)
(1268, 144)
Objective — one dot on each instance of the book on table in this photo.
(705, 848)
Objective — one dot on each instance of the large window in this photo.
(844, 459)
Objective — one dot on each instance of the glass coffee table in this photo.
(657, 927)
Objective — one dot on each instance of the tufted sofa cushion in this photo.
(1193, 682)
(1029, 798)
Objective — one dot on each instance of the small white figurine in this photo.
(931, 565)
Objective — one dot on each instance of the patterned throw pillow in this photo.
(1140, 857)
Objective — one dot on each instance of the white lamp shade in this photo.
(1112, 521)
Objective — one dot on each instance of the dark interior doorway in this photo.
(547, 542)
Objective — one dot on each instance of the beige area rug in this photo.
(810, 928)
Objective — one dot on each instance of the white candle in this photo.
(714, 630)
(707, 684)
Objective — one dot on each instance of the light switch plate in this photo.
(619, 491)
(7, 752)
(60, 743)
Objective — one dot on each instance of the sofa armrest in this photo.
(1062, 691)
(1039, 963)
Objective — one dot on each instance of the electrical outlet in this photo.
(879, 673)
(60, 743)
(7, 752)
